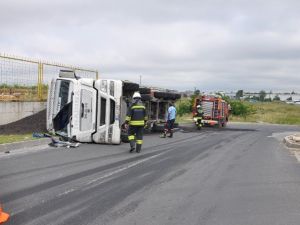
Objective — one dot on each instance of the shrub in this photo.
(183, 106)
(239, 108)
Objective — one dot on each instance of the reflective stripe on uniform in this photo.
(128, 118)
(138, 107)
(137, 123)
(131, 137)
(139, 142)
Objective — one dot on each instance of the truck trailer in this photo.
(157, 102)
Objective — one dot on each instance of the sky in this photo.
(210, 45)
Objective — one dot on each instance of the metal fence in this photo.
(23, 79)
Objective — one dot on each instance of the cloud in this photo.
(211, 45)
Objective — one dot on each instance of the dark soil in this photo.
(30, 124)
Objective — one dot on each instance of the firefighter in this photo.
(136, 118)
(199, 111)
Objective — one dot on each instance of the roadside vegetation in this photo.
(15, 138)
(258, 110)
(270, 112)
(22, 93)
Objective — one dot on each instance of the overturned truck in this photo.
(88, 110)
(157, 102)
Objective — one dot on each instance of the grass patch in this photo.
(15, 138)
(185, 118)
(272, 112)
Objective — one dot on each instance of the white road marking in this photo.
(125, 168)
(105, 176)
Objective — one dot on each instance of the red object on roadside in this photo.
(3, 216)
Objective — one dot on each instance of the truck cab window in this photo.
(102, 111)
(112, 111)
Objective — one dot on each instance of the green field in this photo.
(267, 112)
(272, 112)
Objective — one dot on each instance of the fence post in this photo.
(97, 75)
(39, 85)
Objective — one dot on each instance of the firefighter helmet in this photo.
(136, 95)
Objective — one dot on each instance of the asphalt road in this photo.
(241, 175)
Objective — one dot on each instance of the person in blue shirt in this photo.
(171, 116)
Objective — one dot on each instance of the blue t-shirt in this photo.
(171, 113)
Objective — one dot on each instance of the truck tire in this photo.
(145, 97)
(130, 86)
(164, 95)
(144, 90)
(177, 96)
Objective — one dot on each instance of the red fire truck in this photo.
(215, 110)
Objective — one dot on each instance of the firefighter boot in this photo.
(132, 146)
(138, 148)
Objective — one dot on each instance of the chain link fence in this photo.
(24, 79)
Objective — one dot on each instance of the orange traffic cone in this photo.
(3, 216)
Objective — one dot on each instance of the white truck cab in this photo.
(87, 110)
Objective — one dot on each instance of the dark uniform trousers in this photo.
(136, 136)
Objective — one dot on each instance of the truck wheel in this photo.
(129, 86)
(145, 97)
(177, 96)
(144, 90)
(164, 95)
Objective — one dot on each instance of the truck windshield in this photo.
(63, 105)
(64, 89)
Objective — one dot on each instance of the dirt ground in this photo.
(30, 124)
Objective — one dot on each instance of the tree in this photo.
(276, 98)
(262, 95)
(239, 94)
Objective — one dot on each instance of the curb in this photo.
(23, 144)
(289, 142)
